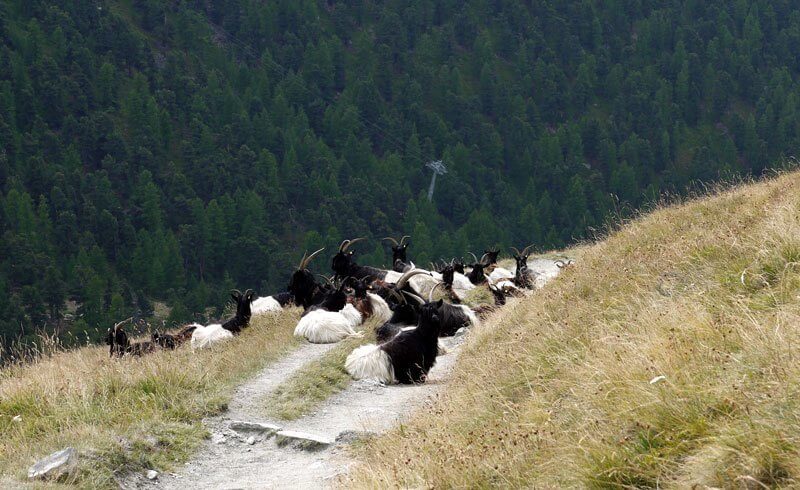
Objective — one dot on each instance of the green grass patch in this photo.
(317, 381)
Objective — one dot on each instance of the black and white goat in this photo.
(344, 265)
(329, 321)
(206, 336)
(406, 358)
(524, 278)
(476, 276)
(368, 303)
(453, 317)
(404, 316)
(276, 302)
(400, 262)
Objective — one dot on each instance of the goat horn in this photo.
(392, 239)
(525, 252)
(474, 257)
(117, 325)
(408, 275)
(402, 240)
(397, 295)
(483, 257)
(327, 279)
(307, 259)
(236, 292)
(516, 251)
(347, 245)
(414, 297)
(430, 295)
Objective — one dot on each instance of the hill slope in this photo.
(565, 389)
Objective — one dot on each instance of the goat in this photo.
(405, 315)
(453, 317)
(406, 358)
(367, 303)
(476, 275)
(524, 278)
(326, 327)
(399, 254)
(330, 321)
(343, 264)
(203, 337)
(562, 264)
(302, 285)
(276, 302)
(120, 345)
(173, 341)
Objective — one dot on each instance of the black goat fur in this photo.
(403, 315)
(413, 352)
(303, 287)
(476, 276)
(523, 277)
(343, 265)
(451, 318)
(242, 318)
(284, 299)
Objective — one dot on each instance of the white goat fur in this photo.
(421, 283)
(207, 336)
(265, 305)
(370, 362)
(327, 327)
(380, 309)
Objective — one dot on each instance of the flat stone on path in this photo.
(55, 465)
(261, 428)
(301, 440)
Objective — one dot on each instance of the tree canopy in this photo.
(166, 151)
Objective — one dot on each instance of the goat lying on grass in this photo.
(332, 320)
(209, 335)
(120, 345)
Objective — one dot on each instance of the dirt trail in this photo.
(230, 461)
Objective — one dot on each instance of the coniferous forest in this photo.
(163, 152)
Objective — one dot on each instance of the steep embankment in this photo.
(667, 356)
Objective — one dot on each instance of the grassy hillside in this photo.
(563, 390)
(126, 414)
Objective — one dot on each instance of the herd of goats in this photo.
(410, 320)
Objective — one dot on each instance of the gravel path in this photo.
(236, 459)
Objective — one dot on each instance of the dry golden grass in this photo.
(308, 388)
(127, 414)
(556, 391)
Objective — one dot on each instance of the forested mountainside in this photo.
(167, 151)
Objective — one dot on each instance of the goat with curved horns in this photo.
(523, 277)
(302, 285)
(343, 264)
(399, 254)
